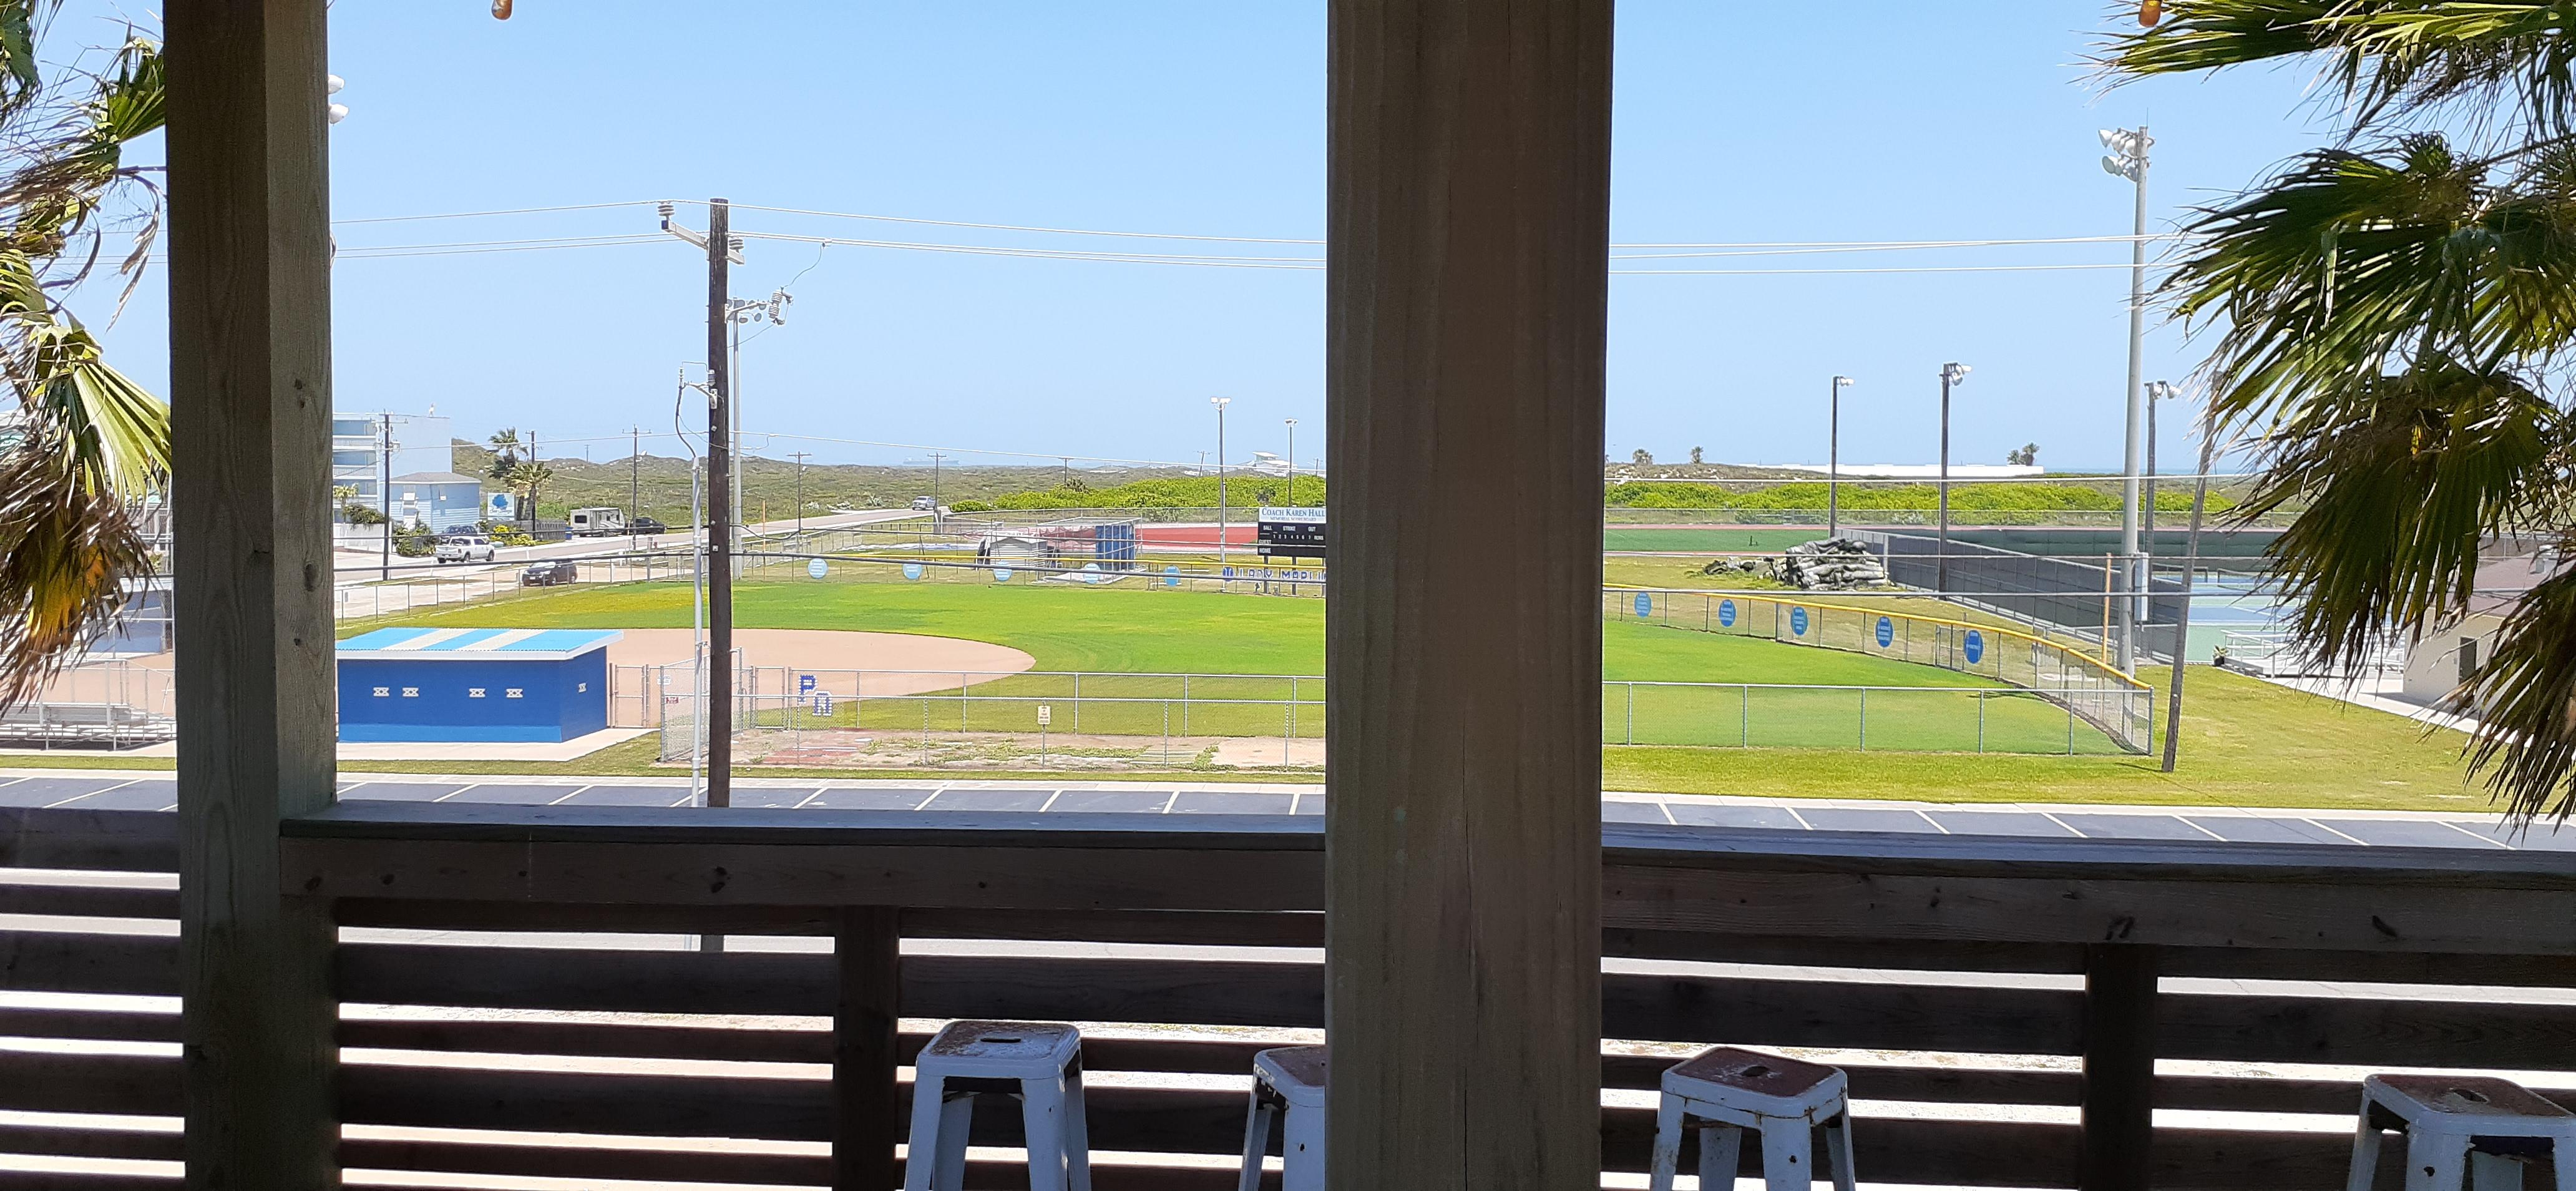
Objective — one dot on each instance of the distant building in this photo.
(2444, 657)
(441, 500)
(421, 445)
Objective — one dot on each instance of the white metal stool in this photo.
(1037, 1063)
(1287, 1083)
(1724, 1091)
(2461, 1128)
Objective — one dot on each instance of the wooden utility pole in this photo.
(800, 490)
(250, 401)
(1465, 315)
(719, 565)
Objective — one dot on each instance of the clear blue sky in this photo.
(1735, 123)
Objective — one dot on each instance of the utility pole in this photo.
(1292, 462)
(1220, 403)
(634, 480)
(1834, 458)
(1951, 374)
(722, 250)
(2128, 159)
(385, 496)
(531, 511)
(719, 480)
(800, 491)
(1068, 470)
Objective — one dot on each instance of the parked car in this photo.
(465, 548)
(646, 525)
(924, 504)
(549, 574)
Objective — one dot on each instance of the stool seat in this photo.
(1038, 1064)
(1297, 1073)
(1769, 1085)
(1003, 1049)
(2461, 1128)
(1724, 1091)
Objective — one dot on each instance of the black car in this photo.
(646, 525)
(548, 574)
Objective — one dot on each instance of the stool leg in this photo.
(1301, 1148)
(2494, 1172)
(1668, 1144)
(956, 1119)
(1256, 1139)
(1077, 1131)
(2436, 1161)
(1838, 1150)
(2365, 1151)
(1042, 1114)
(921, 1152)
(1721, 1150)
(1788, 1156)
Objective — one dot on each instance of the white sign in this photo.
(1306, 515)
(1046, 715)
(500, 505)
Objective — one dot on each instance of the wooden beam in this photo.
(2119, 1068)
(1468, 231)
(867, 1102)
(250, 390)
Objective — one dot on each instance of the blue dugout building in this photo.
(511, 685)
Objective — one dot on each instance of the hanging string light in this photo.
(500, 10)
(2149, 11)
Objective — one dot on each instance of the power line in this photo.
(483, 214)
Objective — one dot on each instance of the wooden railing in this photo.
(1979, 971)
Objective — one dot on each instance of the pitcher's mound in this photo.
(887, 663)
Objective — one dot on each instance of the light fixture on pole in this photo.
(1292, 461)
(1952, 375)
(335, 112)
(2156, 390)
(1220, 403)
(1834, 457)
(2128, 159)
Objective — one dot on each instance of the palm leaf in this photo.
(66, 546)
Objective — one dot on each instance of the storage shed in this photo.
(416, 684)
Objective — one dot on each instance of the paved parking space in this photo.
(131, 790)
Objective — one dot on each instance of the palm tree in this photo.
(528, 478)
(505, 452)
(2393, 315)
(94, 444)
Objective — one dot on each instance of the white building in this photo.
(2443, 657)
(422, 444)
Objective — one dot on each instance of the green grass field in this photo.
(2245, 742)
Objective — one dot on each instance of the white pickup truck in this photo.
(465, 548)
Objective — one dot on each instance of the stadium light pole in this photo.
(1292, 462)
(1220, 403)
(1952, 374)
(1834, 457)
(2128, 159)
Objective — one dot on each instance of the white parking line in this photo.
(568, 797)
(86, 793)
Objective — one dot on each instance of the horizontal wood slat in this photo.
(47, 961)
(103, 841)
(98, 901)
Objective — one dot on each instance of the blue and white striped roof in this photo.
(482, 645)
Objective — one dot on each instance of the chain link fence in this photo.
(2120, 707)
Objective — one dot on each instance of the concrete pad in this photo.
(475, 750)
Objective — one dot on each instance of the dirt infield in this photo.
(880, 656)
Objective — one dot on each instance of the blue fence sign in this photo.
(1798, 621)
(804, 684)
(1645, 605)
(816, 569)
(1886, 632)
(1976, 646)
(1001, 574)
(912, 570)
(1229, 572)
(1171, 576)
(823, 703)
(1726, 613)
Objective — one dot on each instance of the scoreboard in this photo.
(1292, 533)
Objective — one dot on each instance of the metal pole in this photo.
(1220, 480)
(1834, 458)
(1941, 565)
(2190, 572)
(634, 480)
(800, 492)
(1292, 462)
(719, 480)
(385, 496)
(2136, 398)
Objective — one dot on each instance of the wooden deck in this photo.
(633, 1043)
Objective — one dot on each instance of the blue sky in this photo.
(1735, 123)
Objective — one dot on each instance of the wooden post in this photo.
(867, 1111)
(250, 389)
(1465, 322)
(2119, 1067)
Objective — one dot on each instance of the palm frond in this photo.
(2403, 478)
(66, 545)
(2392, 59)
(2525, 694)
